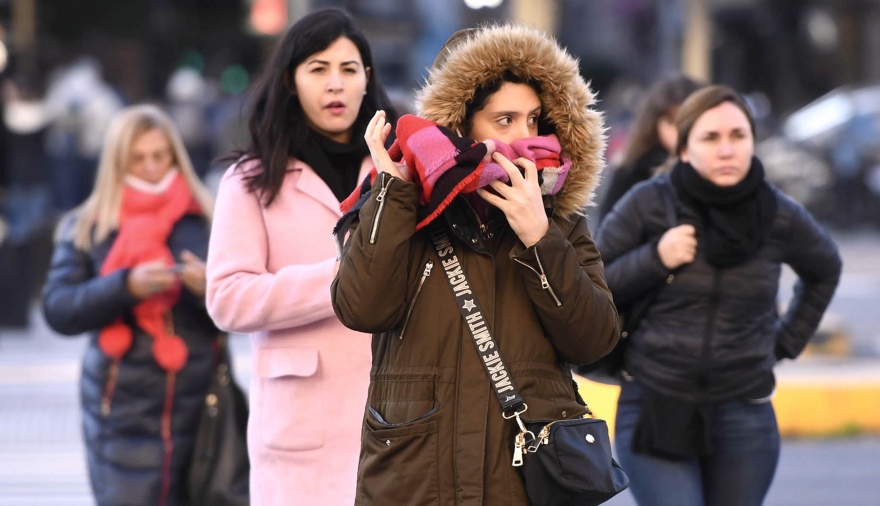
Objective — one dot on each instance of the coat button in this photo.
(387, 442)
(669, 279)
(564, 414)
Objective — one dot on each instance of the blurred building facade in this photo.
(791, 50)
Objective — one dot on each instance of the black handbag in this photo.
(556, 470)
(563, 462)
(220, 470)
(608, 369)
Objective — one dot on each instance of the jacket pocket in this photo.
(291, 415)
(400, 399)
(399, 464)
(542, 275)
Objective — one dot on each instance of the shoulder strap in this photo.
(472, 313)
(637, 310)
(668, 203)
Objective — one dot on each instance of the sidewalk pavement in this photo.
(42, 455)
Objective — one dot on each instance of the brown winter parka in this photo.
(433, 429)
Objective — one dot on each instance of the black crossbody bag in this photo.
(563, 462)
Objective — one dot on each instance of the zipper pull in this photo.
(428, 267)
(384, 190)
(544, 283)
(518, 450)
(544, 435)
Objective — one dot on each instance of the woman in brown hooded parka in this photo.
(433, 429)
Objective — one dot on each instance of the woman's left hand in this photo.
(521, 201)
(192, 273)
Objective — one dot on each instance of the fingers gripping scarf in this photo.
(444, 164)
(145, 222)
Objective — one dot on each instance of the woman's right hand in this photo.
(377, 132)
(149, 278)
(678, 246)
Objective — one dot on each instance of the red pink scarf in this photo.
(444, 164)
(145, 222)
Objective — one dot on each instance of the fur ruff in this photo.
(566, 98)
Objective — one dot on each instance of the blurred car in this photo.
(839, 130)
(801, 171)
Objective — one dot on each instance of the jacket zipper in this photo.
(374, 228)
(545, 284)
(109, 388)
(165, 422)
(427, 272)
(167, 441)
(710, 322)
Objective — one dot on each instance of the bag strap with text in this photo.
(512, 404)
(486, 346)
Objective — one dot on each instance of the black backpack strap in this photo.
(666, 194)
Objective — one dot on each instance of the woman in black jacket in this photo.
(694, 423)
(127, 269)
(652, 137)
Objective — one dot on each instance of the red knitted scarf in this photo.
(145, 222)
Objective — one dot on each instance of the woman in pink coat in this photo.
(272, 257)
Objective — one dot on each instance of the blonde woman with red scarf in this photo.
(128, 270)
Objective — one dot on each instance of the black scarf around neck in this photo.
(738, 218)
(337, 164)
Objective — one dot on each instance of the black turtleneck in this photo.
(337, 164)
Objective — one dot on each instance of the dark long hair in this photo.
(277, 124)
(661, 99)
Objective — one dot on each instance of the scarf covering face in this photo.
(145, 222)
(738, 218)
(445, 165)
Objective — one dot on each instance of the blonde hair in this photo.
(98, 216)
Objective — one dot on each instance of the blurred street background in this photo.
(810, 70)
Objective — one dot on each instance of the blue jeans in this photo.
(745, 444)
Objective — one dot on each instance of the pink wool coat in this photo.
(269, 273)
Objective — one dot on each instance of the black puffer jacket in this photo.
(625, 177)
(124, 444)
(715, 334)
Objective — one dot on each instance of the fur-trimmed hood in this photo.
(487, 53)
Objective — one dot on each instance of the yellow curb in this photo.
(804, 408)
(601, 398)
